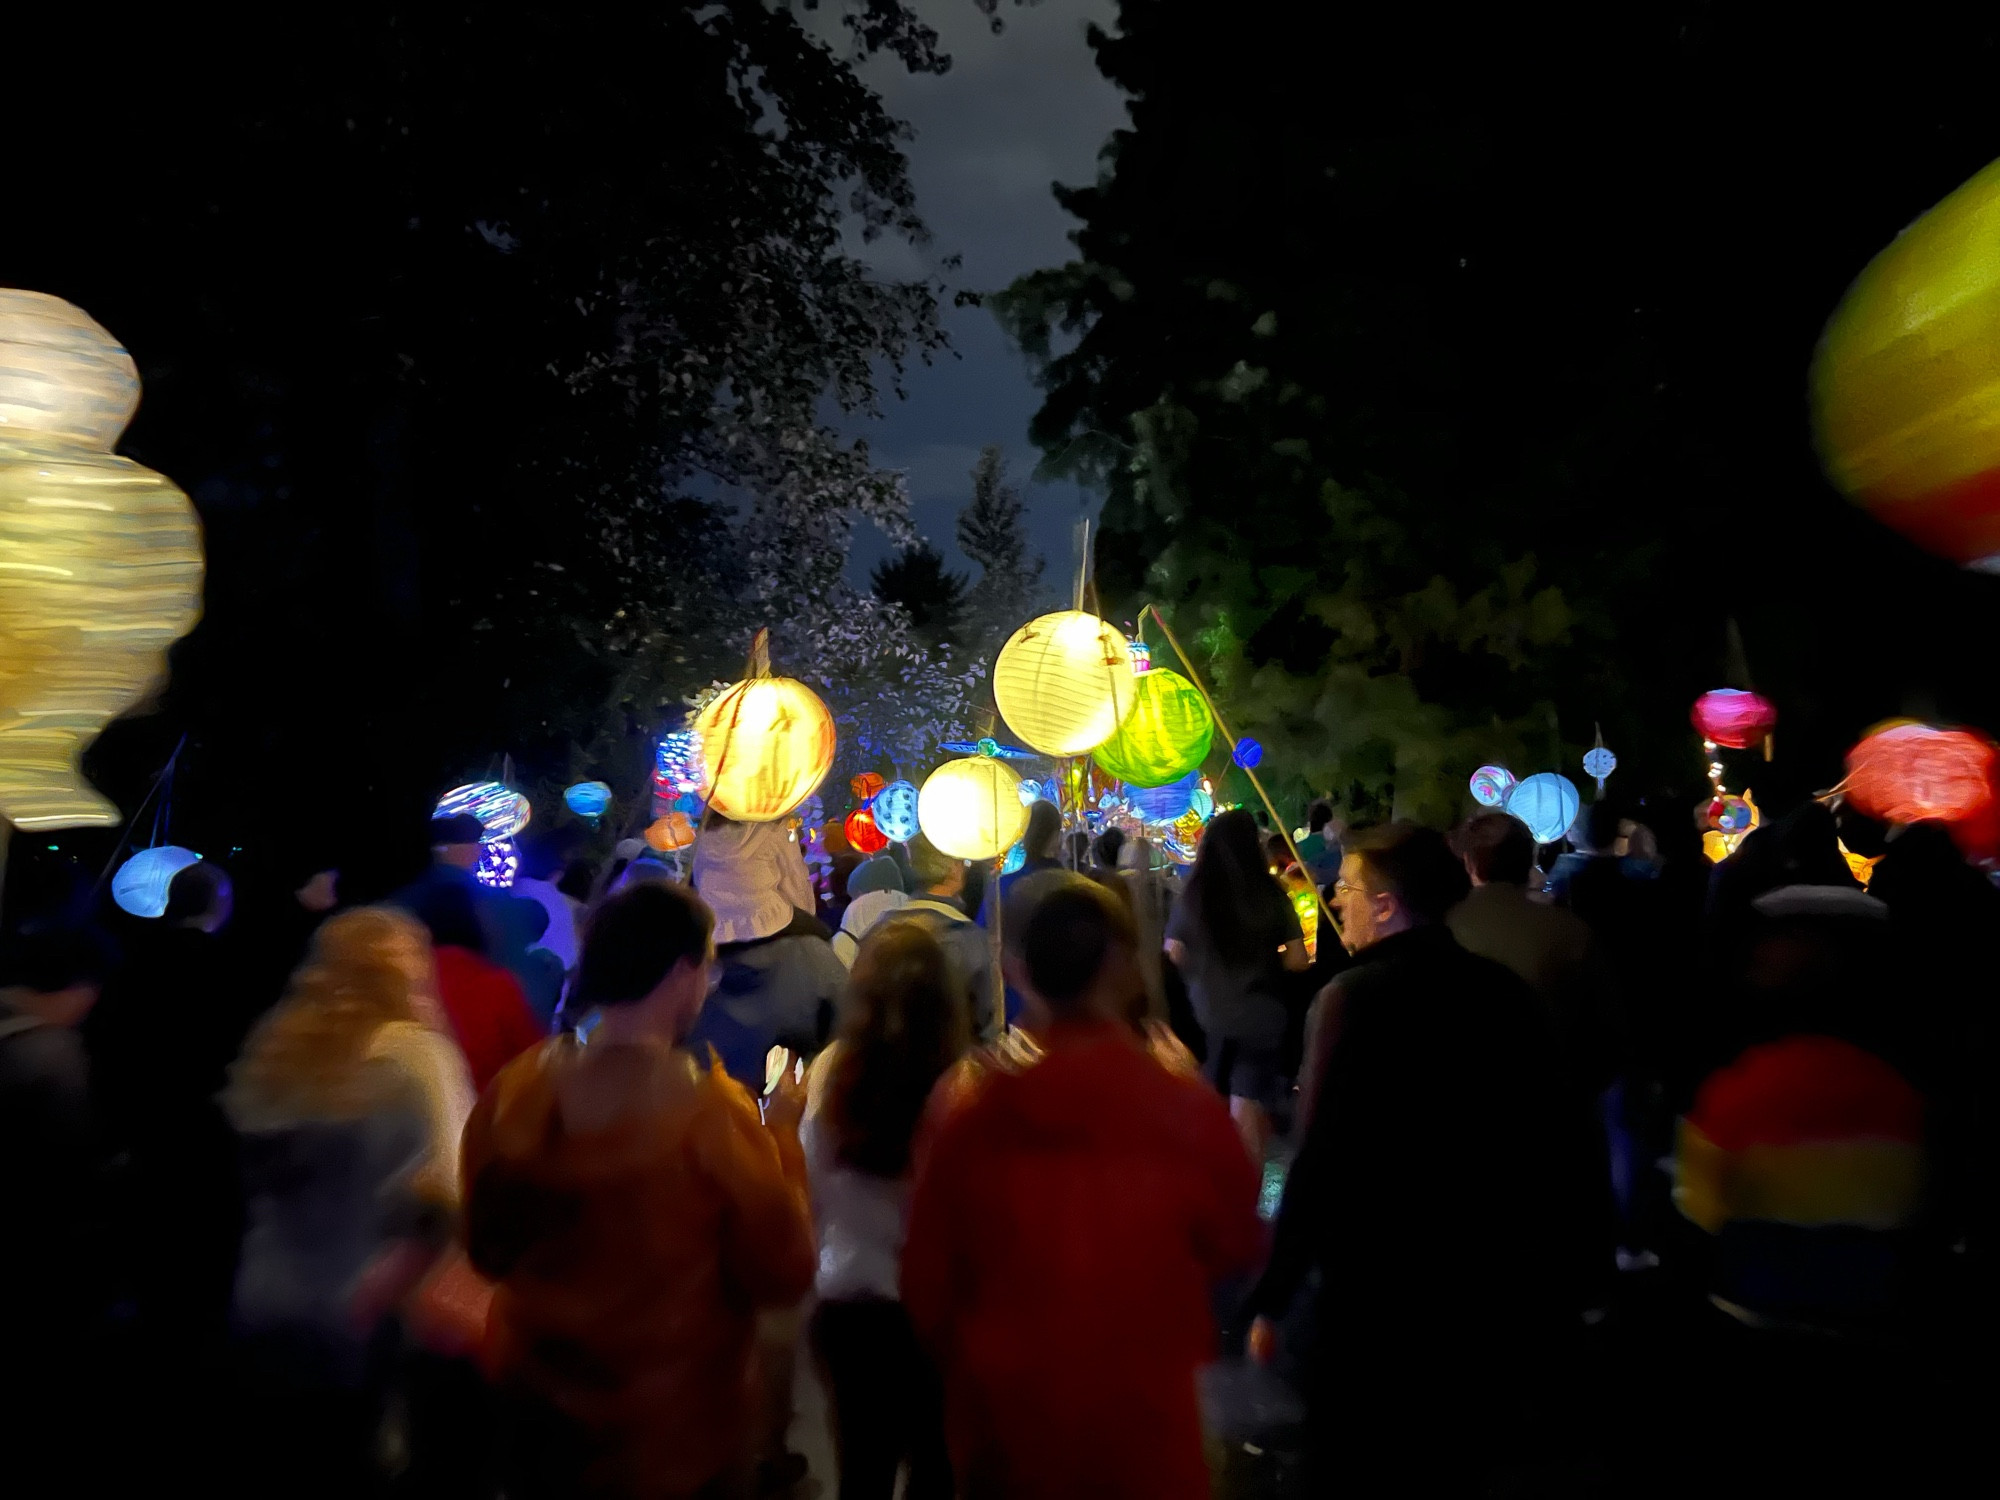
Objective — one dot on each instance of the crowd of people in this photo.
(1633, 1175)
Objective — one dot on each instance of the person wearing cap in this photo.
(940, 879)
(875, 890)
(636, 1215)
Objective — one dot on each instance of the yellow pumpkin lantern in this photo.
(971, 808)
(100, 559)
(766, 744)
(1064, 682)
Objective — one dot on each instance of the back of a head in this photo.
(635, 940)
(1414, 864)
(1318, 816)
(1075, 929)
(1076, 850)
(1497, 848)
(903, 1024)
(1044, 830)
(458, 829)
(1231, 893)
(1104, 852)
(195, 893)
(451, 913)
(1600, 827)
(929, 865)
(1809, 848)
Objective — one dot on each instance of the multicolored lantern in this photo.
(499, 863)
(502, 811)
(1491, 785)
(1064, 682)
(865, 786)
(1733, 718)
(766, 745)
(862, 833)
(1166, 735)
(1247, 754)
(1142, 658)
(588, 799)
(141, 884)
(677, 763)
(971, 808)
(1906, 772)
(895, 811)
(675, 831)
(1547, 803)
(1906, 381)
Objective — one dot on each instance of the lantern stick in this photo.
(1201, 687)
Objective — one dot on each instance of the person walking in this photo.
(635, 1214)
(489, 1015)
(1039, 845)
(1068, 1227)
(904, 1026)
(936, 908)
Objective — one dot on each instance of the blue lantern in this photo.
(895, 809)
(588, 799)
(1547, 803)
(1016, 857)
(1600, 763)
(1247, 754)
(1031, 792)
(1163, 804)
(140, 886)
(499, 863)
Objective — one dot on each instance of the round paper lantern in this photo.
(895, 811)
(1906, 381)
(102, 559)
(1248, 754)
(588, 799)
(865, 786)
(1599, 763)
(971, 808)
(1547, 803)
(1165, 736)
(1733, 718)
(501, 810)
(1491, 784)
(1916, 773)
(863, 834)
(674, 831)
(1731, 814)
(140, 886)
(1064, 682)
(766, 745)
(1165, 804)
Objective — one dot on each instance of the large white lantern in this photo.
(1064, 682)
(766, 745)
(971, 808)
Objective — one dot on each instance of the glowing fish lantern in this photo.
(971, 808)
(1165, 736)
(674, 831)
(1064, 682)
(1247, 754)
(1733, 718)
(1166, 804)
(140, 886)
(1547, 803)
(1917, 773)
(863, 834)
(588, 799)
(102, 558)
(895, 811)
(766, 745)
(1491, 785)
(1906, 382)
(502, 811)
(1201, 804)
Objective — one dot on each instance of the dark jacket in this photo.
(777, 991)
(967, 950)
(50, 1186)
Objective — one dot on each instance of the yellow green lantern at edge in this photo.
(1166, 735)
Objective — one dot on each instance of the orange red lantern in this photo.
(863, 834)
(1907, 772)
(865, 786)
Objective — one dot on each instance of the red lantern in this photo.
(1734, 718)
(863, 834)
(1914, 773)
(865, 786)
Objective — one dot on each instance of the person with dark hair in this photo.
(939, 880)
(1068, 1227)
(1319, 850)
(903, 1026)
(489, 1015)
(1436, 1123)
(1235, 936)
(1039, 845)
(635, 1214)
(874, 891)
(1104, 851)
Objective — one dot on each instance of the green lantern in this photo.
(1165, 736)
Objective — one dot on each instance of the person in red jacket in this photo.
(488, 1011)
(1067, 1231)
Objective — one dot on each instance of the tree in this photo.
(916, 579)
(991, 533)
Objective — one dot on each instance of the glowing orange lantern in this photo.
(865, 786)
(1916, 773)
(672, 832)
(863, 834)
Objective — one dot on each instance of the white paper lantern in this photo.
(971, 808)
(1064, 682)
(141, 884)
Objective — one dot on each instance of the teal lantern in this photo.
(1165, 736)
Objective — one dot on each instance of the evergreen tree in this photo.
(991, 532)
(916, 579)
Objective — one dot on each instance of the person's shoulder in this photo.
(51, 1054)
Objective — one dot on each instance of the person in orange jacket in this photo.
(635, 1214)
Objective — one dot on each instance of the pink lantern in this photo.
(1734, 718)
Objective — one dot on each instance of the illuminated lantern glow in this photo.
(675, 831)
(588, 799)
(502, 811)
(1064, 682)
(677, 762)
(1732, 815)
(865, 786)
(140, 886)
(1016, 858)
(499, 863)
(1201, 804)
(1547, 803)
(103, 559)
(1166, 735)
(1491, 785)
(1731, 819)
(895, 811)
(1599, 763)
(1142, 658)
(1167, 804)
(971, 808)
(863, 834)
(1733, 718)
(766, 745)
(1906, 380)
(1248, 754)
(1031, 793)
(1918, 773)
(1305, 901)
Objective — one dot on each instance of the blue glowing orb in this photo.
(1600, 763)
(501, 810)
(1247, 754)
(588, 799)
(895, 809)
(1547, 803)
(1163, 804)
(140, 886)
(499, 863)
(1016, 857)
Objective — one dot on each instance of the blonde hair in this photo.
(308, 1059)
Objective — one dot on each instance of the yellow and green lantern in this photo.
(1165, 736)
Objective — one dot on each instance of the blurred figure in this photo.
(456, 849)
(1319, 850)
(1038, 846)
(1104, 851)
(1150, 901)
(1444, 1284)
(349, 1099)
(874, 890)
(903, 1026)
(483, 1002)
(1066, 1231)
(1235, 936)
(635, 1213)
(539, 881)
(537, 970)
(936, 909)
